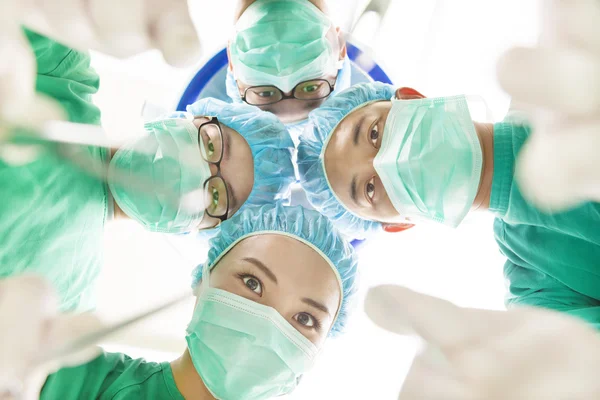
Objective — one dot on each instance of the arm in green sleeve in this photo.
(113, 376)
(560, 298)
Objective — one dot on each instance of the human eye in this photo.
(214, 197)
(374, 136)
(310, 88)
(252, 283)
(210, 142)
(266, 93)
(210, 146)
(307, 320)
(370, 189)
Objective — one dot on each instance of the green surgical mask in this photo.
(168, 158)
(430, 159)
(282, 43)
(245, 350)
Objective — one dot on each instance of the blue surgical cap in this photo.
(322, 122)
(309, 227)
(269, 141)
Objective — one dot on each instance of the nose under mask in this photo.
(430, 160)
(168, 158)
(282, 43)
(258, 352)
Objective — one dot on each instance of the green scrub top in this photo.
(553, 261)
(113, 376)
(52, 215)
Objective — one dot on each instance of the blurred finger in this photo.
(66, 328)
(426, 383)
(26, 302)
(559, 79)
(37, 111)
(403, 311)
(577, 22)
(174, 34)
(33, 292)
(558, 170)
(67, 21)
(17, 76)
(121, 25)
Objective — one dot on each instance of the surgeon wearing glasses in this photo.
(286, 57)
(186, 173)
(378, 158)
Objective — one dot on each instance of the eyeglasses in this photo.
(210, 142)
(315, 89)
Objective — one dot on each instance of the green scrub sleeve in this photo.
(53, 214)
(65, 75)
(552, 259)
(113, 376)
(562, 299)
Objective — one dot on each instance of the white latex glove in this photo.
(117, 27)
(559, 81)
(29, 326)
(470, 354)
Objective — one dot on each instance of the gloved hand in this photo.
(30, 326)
(559, 81)
(116, 27)
(470, 354)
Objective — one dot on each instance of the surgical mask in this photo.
(282, 43)
(245, 350)
(170, 159)
(430, 159)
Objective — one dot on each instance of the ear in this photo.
(397, 227)
(343, 48)
(406, 93)
(229, 56)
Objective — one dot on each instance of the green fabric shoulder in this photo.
(66, 75)
(552, 259)
(112, 376)
(52, 214)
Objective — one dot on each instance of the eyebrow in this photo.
(353, 190)
(260, 265)
(358, 129)
(316, 305)
(233, 202)
(226, 141)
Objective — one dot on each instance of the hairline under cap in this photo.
(300, 239)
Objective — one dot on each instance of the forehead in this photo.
(342, 136)
(347, 125)
(291, 260)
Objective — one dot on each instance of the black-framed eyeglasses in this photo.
(210, 143)
(314, 89)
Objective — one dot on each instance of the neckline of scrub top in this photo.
(170, 381)
(504, 161)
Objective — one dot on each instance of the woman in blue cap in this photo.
(378, 158)
(277, 283)
(185, 174)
